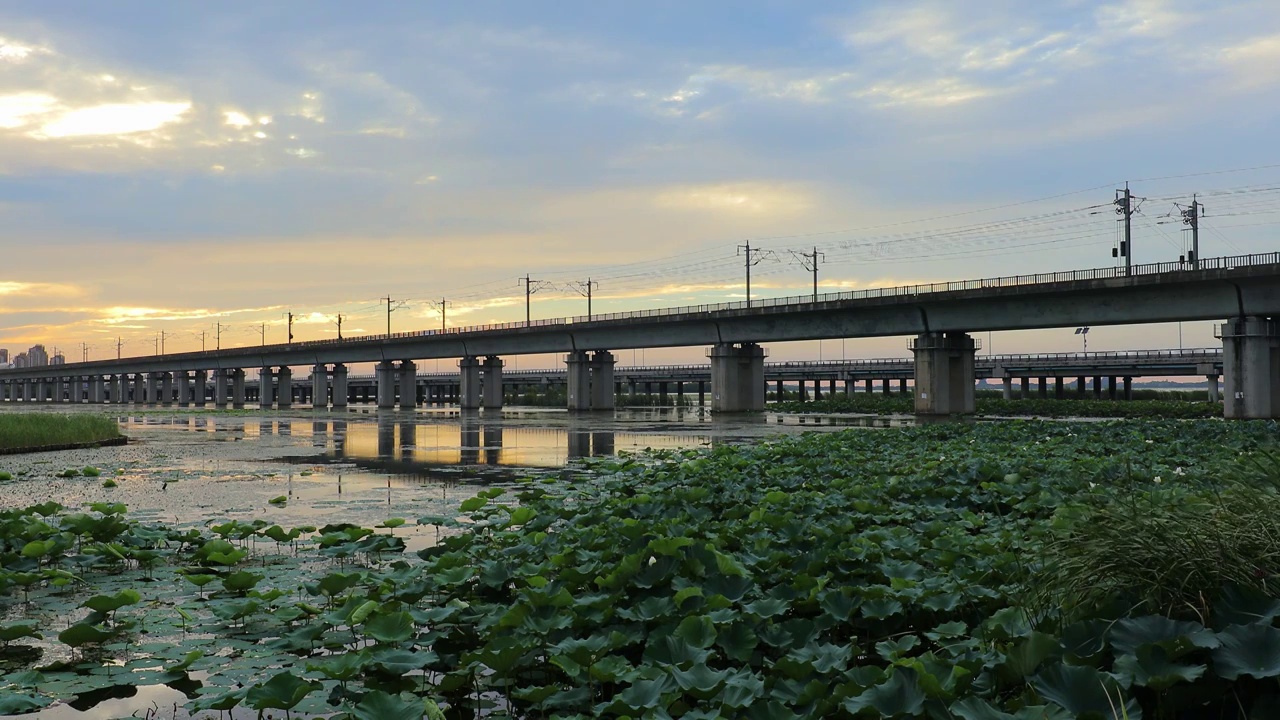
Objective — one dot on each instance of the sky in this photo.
(202, 170)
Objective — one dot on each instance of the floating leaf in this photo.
(283, 691)
(1252, 650)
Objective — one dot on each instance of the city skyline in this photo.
(204, 173)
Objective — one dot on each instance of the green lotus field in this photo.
(1026, 569)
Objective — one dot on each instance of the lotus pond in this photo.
(999, 570)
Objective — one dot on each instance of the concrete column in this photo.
(1211, 382)
(184, 388)
(867, 385)
(944, 373)
(153, 388)
(96, 390)
(266, 391)
(491, 381)
(201, 383)
(28, 390)
(1044, 388)
(662, 394)
(1128, 388)
(469, 383)
(1251, 368)
(578, 366)
(1059, 387)
(408, 373)
(1024, 392)
(284, 392)
(702, 392)
(737, 377)
(1007, 392)
(237, 387)
(884, 386)
(1097, 387)
(339, 385)
(384, 376)
(1111, 388)
(220, 388)
(602, 384)
(1080, 386)
(320, 386)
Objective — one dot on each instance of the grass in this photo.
(36, 430)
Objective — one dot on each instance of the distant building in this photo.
(57, 359)
(4, 356)
(20, 360)
(37, 356)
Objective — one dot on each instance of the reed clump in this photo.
(38, 430)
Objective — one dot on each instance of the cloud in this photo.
(114, 119)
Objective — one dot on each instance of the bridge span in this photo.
(1243, 292)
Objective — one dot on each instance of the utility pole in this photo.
(530, 287)
(263, 332)
(118, 344)
(440, 305)
(339, 326)
(1191, 217)
(810, 262)
(289, 315)
(218, 335)
(1124, 207)
(584, 289)
(391, 305)
(752, 257)
(202, 334)
(84, 352)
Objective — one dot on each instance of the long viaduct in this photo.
(1243, 293)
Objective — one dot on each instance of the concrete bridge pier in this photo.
(1059, 388)
(237, 387)
(201, 384)
(184, 388)
(152, 390)
(1212, 382)
(97, 392)
(1024, 392)
(469, 395)
(266, 390)
(220, 388)
(320, 386)
(284, 393)
(166, 388)
(385, 379)
(339, 385)
(491, 382)
(737, 377)
(602, 395)
(1007, 391)
(578, 365)
(1043, 390)
(1251, 367)
(944, 373)
(408, 385)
